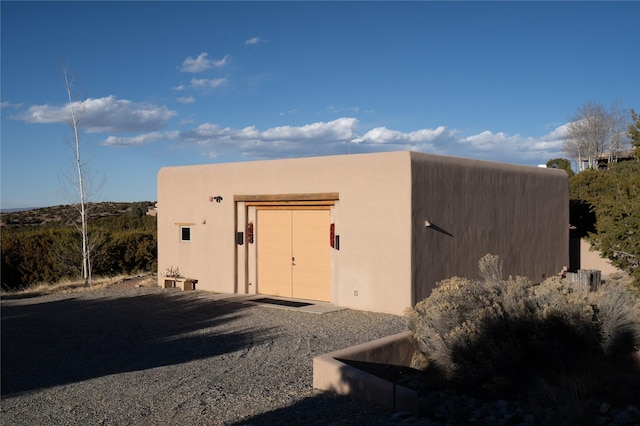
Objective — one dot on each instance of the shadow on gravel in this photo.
(323, 409)
(22, 295)
(47, 344)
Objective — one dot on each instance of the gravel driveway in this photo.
(153, 356)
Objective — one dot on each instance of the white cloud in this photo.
(133, 140)
(512, 148)
(283, 141)
(382, 135)
(559, 133)
(552, 142)
(103, 115)
(309, 139)
(207, 131)
(341, 129)
(340, 136)
(254, 40)
(142, 139)
(485, 145)
(201, 63)
(7, 104)
(487, 141)
(210, 83)
(186, 100)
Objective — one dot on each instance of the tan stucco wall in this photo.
(371, 217)
(520, 213)
(591, 259)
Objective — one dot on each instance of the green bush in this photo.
(512, 337)
(38, 255)
(119, 245)
(605, 207)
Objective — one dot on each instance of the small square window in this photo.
(185, 233)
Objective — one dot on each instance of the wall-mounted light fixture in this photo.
(216, 198)
(436, 228)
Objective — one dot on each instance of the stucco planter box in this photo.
(338, 372)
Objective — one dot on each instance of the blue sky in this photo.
(177, 83)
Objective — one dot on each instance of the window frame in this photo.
(184, 228)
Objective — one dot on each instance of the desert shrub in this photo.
(126, 251)
(508, 335)
(119, 245)
(618, 316)
(38, 255)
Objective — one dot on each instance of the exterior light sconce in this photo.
(217, 199)
(436, 228)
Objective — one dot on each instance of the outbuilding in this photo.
(373, 232)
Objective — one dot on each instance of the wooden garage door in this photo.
(273, 232)
(293, 253)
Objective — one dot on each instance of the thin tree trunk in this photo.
(86, 271)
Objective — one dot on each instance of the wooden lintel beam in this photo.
(322, 196)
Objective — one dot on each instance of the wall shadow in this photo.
(582, 217)
(326, 408)
(440, 230)
(48, 344)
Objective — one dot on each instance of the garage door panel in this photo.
(274, 252)
(306, 289)
(311, 273)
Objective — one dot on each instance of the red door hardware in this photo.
(332, 235)
(250, 233)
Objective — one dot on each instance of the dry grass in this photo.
(76, 286)
(623, 279)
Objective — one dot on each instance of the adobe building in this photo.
(372, 232)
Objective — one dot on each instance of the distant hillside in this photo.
(20, 209)
(67, 214)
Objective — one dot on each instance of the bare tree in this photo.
(586, 134)
(595, 131)
(619, 131)
(79, 180)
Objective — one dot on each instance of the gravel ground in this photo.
(129, 356)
